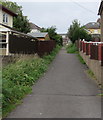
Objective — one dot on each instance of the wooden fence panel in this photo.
(45, 47)
(27, 45)
(80, 45)
(87, 49)
(21, 45)
(94, 52)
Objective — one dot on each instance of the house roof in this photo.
(7, 10)
(100, 8)
(62, 33)
(6, 26)
(92, 25)
(99, 20)
(13, 31)
(33, 26)
(39, 34)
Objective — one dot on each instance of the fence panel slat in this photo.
(22, 45)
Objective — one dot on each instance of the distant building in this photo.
(6, 16)
(65, 38)
(101, 14)
(34, 28)
(93, 28)
(40, 35)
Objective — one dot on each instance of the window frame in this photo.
(5, 18)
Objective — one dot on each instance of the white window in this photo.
(95, 31)
(5, 18)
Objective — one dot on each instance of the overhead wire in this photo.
(83, 7)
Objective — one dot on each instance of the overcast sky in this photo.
(60, 14)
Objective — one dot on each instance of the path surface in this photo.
(65, 91)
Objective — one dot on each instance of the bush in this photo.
(18, 78)
(71, 48)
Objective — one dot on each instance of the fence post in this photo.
(7, 42)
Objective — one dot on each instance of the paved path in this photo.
(65, 91)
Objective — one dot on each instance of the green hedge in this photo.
(18, 78)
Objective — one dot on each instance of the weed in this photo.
(19, 76)
(91, 74)
(71, 48)
(81, 59)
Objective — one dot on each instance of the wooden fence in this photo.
(94, 52)
(28, 45)
(45, 47)
(93, 49)
(24, 45)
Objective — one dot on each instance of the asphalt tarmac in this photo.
(65, 91)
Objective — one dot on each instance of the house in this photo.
(93, 28)
(14, 42)
(40, 35)
(6, 16)
(99, 21)
(11, 41)
(65, 38)
(101, 14)
(34, 28)
(6, 23)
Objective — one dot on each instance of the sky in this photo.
(45, 13)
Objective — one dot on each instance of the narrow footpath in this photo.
(65, 91)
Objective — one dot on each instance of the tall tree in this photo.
(76, 32)
(21, 22)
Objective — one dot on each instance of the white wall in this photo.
(1, 16)
(34, 30)
(10, 19)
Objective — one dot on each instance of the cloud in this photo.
(56, 0)
(46, 14)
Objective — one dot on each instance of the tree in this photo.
(20, 23)
(76, 32)
(53, 34)
(13, 6)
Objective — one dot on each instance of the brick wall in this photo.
(92, 53)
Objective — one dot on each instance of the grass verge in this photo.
(71, 48)
(91, 74)
(81, 59)
(18, 78)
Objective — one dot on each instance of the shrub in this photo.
(18, 78)
(71, 48)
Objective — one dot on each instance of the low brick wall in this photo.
(95, 66)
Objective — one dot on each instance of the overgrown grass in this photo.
(81, 59)
(18, 78)
(100, 94)
(71, 48)
(91, 74)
